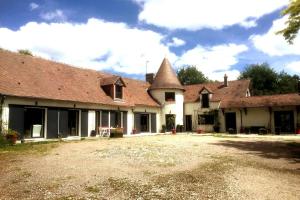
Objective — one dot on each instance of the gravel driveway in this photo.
(155, 167)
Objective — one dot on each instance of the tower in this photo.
(168, 91)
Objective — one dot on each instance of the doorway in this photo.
(73, 122)
(230, 121)
(144, 123)
(34, 122)
(284, 121)
(188, 122)
(170, 122)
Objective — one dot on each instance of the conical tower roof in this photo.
(166, 77)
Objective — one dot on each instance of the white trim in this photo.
(109, 121)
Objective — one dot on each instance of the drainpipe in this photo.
(2, 97)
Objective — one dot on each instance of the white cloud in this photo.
(33, 6)
(54, 15)
(214, 61)
(176, 42)
(96, 44)
(294, 66)
(198, 14)
(275, 45)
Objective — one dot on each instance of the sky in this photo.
(131, 37)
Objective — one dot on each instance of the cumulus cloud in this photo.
(294, 66)
(176, 42)
(273, 44)
(214, 61)
(33, 6)
(57, 15)
(96, 44)
(198, 14)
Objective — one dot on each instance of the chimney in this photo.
(150, 78)
(225, 80)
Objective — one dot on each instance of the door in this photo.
(284, 121)
(230, 121)
(144, 123)
(188, 122)
(170, 122)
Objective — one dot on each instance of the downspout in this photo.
(2, 97)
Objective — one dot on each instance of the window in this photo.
(205, 119)
(119, 92)
(205, 101)
(170, 96)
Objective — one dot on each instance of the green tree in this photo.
(263, 79)
(191, 75)
(293, 23)
(287, 83)
(25, 52)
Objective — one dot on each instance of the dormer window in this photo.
(113, 87)
(205, 100)
(205, 95)
(170, 96)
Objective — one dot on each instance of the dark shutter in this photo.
(52, 123)
(153, 123)
(63, 123)
(16, 119)
(104, 119)
(137, 122)
(84, 123)
(124, 123)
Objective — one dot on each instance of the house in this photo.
(42, 99)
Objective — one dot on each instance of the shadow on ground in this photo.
(267, 149)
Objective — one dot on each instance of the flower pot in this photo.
(199, 131)
(12, 139)
(298, 131)
(174, 131)
(134, 131)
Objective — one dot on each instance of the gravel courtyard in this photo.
(154, 167)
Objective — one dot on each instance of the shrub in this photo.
(3, 141)
(163, 128)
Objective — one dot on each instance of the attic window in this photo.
(205, 101)
(118, 91)
(170, 96)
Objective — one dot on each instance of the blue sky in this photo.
(122, 36)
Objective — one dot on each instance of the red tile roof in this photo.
(263, 101)
(235, 90)
(166, 77)
(33, 77)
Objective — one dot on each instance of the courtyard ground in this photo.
(154, 167)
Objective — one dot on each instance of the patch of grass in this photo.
(92, 189)
(33, 147)
(219, 135)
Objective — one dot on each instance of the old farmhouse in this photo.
(42, 99)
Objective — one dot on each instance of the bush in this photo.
(3, 141)
(163, 128)
(179, 128)
(116, 133)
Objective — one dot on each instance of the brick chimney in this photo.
(225, 80)
(150, 77)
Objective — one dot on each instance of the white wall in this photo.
(175, 108)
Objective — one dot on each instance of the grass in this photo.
(33, 147)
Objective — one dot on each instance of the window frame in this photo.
(205, 104)
(118, 92)
(206, 119)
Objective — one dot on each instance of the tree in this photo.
(293, 23)
(25, 52)
(191, 75)
(287, 83)
(263, 78)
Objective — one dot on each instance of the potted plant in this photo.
(173, 131)
(11, 136)
(217, 127)
(163, 128)
(133, 131)
(199, 131)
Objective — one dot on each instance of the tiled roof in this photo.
(33, 77)
(234, 90)
(263, 101)
(166, 78)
